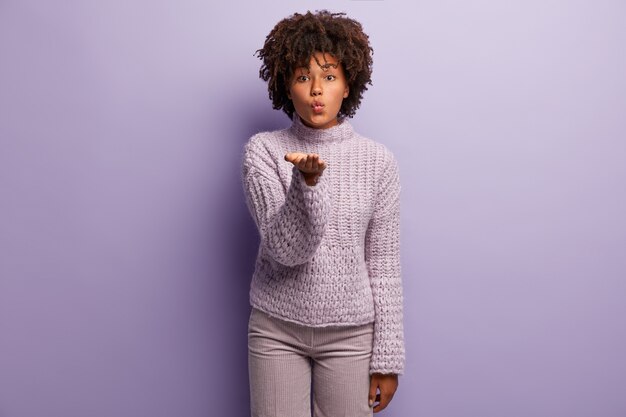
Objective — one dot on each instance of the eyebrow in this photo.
(324, 66)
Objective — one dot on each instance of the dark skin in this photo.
(312, 167)
(310, 164)
(387, 384)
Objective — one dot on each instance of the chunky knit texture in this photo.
(329, 253)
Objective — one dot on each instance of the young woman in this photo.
(326, 293)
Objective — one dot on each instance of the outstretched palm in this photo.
(308, 163)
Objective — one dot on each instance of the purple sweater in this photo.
(329, 253)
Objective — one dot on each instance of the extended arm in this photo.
(291, 224)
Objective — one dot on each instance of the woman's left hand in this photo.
(387, 384)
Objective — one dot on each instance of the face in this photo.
(317, 93)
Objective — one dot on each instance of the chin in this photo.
(320, 121)
(323, 124)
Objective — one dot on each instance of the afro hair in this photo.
(295, 39)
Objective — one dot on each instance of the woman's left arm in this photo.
(382, 255)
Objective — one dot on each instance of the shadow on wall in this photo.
(238, 237)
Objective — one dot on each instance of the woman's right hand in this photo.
(310, 164)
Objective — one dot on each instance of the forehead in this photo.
(326, 61)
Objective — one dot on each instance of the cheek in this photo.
(298, 98)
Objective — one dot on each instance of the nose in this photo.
(316, 87)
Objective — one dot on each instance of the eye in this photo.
(300, 78)
(330, 75)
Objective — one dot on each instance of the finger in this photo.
(302, 162)
(385, 398)
(309, 161)
(315, 163)
(293, 157)
(372, 394)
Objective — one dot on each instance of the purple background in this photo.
(126, 248)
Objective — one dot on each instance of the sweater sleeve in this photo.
(382, 256)
(291, 223)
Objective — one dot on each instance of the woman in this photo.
(326, 293)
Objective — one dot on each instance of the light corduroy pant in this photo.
(286, 359)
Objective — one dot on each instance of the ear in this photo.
(346, 92)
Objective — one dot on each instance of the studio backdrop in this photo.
(126, 248)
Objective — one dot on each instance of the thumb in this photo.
(372, 393)
(294, 156)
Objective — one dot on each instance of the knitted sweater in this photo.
(329, 253)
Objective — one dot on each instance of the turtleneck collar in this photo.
(341, 131)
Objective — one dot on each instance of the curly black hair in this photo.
(295, 39)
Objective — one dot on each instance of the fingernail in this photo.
(371, 402)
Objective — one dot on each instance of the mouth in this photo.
(317, 106)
